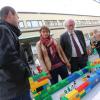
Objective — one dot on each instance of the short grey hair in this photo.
(5, 11)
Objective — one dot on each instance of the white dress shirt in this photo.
(74, 54)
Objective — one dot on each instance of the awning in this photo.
(30, 37)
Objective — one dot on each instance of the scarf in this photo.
(49, 43)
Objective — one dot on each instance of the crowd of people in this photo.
(70, 55)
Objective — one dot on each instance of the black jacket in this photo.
(66, 43)
(14, 71)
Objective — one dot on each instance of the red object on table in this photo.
(39, 69)
(43, 78)
(83, 86)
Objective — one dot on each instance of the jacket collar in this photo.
(12, 27)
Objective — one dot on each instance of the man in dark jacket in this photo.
(14, 71)
(74, 46)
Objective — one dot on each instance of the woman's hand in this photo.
(48, 75)
(69, 66)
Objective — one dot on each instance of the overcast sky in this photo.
(83, 7)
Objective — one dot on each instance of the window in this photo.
(89, 22)
(40, 23)
(78, 23)
(29, 24)
(96, 22)
(21, 24)
(86, 22)
(61, 22)
(47, 22)
(51, 23)
(35, 23)
(55, 22)
(83, 22)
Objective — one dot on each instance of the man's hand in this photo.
(88, 51)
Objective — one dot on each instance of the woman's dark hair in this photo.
(45, 28)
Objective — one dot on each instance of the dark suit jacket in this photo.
(66, 43)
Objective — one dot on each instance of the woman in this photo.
(51, 56)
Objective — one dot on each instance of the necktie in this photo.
(78, 52)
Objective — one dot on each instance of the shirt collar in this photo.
(71, 33)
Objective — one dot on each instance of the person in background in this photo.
(95, 40)
(93, 37)
(14, 70)
(73, 44)
(51, 56)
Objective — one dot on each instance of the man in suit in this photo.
(74, 46)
